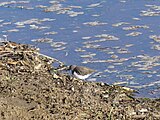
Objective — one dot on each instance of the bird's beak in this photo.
(67, 67)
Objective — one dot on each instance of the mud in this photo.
(31, 88)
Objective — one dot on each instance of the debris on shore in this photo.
(31, 88)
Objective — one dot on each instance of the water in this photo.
(76, 29)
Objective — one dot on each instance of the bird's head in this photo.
(71, 67)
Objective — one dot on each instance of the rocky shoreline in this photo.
(33, 89)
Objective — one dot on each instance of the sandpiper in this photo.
(81, 72)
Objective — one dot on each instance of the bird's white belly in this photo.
(83, 77)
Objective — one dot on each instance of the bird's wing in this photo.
(83, 70)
